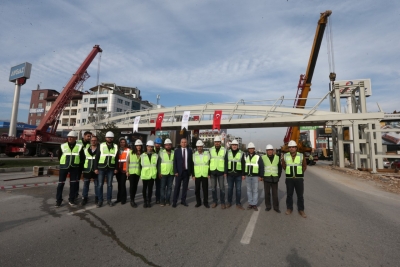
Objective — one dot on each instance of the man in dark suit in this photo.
(183, 169)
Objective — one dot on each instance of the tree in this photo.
(110, 126)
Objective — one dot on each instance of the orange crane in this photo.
(40, 139)
(304, 86)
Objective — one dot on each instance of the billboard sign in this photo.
(20, 71)
(36, 110)
(346, 87)
(304, 128)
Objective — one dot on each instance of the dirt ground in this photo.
(387, 181)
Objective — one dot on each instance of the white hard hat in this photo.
(72, 134)
(138, 143)
(251, 145)
(217, 138)
(167, 141)
(199, 143)
(110, 134)
(269, 147)
(234, 142)
(292, 143)
(150, 143)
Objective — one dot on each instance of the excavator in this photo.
(43, 139)
(304, 86)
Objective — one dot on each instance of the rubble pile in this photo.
(387, 181)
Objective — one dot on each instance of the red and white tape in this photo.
(24, 185)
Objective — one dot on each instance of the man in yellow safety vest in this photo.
(148, 173)
(254, 171)
(217, 172)
(272, 173)
(166, 175)
(201, 173)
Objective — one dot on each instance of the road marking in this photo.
(248, 233)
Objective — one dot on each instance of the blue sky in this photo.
(194, 51)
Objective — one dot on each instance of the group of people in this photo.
(154, 164)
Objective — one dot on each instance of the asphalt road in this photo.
(350, 223)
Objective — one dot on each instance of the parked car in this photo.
(386, 163)
(395, 164)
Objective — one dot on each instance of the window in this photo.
(37, 122)
(48, 104)
(120, 101)
(79, 110)
(40, 105)
(41, 96)
(119, 109)
(86, 100)
(80, 101)
(83, 120)
(30, 122)
(127, 103)
(104, 109)
(78, 121)
(84, 109)
(33, 105)
(39, 114)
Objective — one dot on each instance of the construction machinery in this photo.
(304, 86)
(43, 139)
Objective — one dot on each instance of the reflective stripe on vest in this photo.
(270, 168)
(123, 157)
(167, 162)
(149, 169)
(107, 157)
(294, 168)
(237, 159)
(88, 166)
(201, 162)
(134, 167)
(253, 162)
(217, 161)
(70, 158)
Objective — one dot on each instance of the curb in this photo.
(25, 169)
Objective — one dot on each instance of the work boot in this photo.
(228, 205)
(288, 212)
(148, 204)
(99, 204)
(207, 206)
(168, 203)
(214, 205)
(58, 204)
(72, 203)
(249, 207)
(240, 207)
(255, 208)
(96, 200)
(110, 203)
(84, 201)
(162, 203)
(197, 205)
(301, 212)
(145, 204)
(157, 201)
(223, 206)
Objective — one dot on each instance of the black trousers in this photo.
(158, 188)
(268, 187)
(147, 189)
(293, 184)
(182, 179)
(203, 183)
(121, 179)
(133, 184)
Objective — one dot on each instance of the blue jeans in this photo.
(166, 185)
(252, 190)
(237, 182)
(220, 179)
(86, 183)
(109, 173)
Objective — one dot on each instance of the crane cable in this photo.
(331, 54)
(98, 79)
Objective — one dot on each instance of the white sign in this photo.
(346, 87)
(185, 120)
(136, 124)
(36, 110)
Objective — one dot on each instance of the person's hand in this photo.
(225, 175)
(243, 177)
(193, 178)
(115, 171)
(209, 177)
(176, 174)
(160, 176)
(260, 179)
(96, 171)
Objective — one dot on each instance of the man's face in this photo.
(93, 141)
(109, 139)
(200, 149)
(251, 150)
(270, 152)
(149, 149)
(292, 149)
(71, 139)
(184, 143)
(87, 137)
(217, 143)
(234, 147)
(168, 147)
(157, 146)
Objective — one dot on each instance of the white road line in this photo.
(248, 233)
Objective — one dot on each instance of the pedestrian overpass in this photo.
(271, 113)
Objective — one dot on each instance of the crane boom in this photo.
(77, 79)
(304, 86)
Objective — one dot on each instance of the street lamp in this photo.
(158, 99)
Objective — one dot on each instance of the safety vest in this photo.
(270, 168)
(294, 168)
(70, 158)
(84, 146)
(232, 160)
(107, 156)
(217, 161)
(253, 162)
(88, 166)
(123, 157)
(201, 162)
(167, 162)
(134, 167)
(149, 168)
